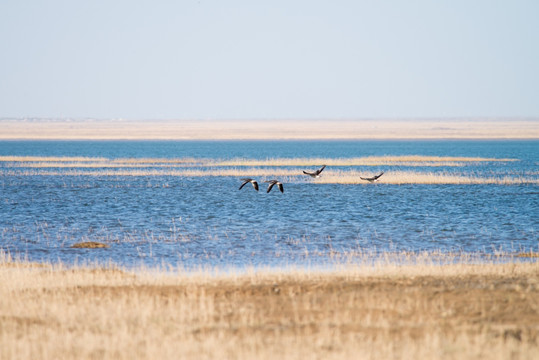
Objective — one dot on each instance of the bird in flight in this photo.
(372, 179)
(315, 174)
(274, 182)
(248, 180)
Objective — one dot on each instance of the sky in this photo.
(202, 59)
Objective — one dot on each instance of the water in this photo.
(206, 221)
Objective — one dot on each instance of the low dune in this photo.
(92, 129)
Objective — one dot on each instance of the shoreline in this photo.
(463, 311)
(338, 129)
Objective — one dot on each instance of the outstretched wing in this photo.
(245, 181)
(320, 170)
(377, 176)
(308, 173)
(270, 186)
(280, 187)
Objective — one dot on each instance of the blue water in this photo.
(206, 221)
(523, 150)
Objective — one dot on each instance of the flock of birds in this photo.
(314, 174)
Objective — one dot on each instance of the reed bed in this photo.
(405, 160)
(290, 168)
(101, 160)
(114, 164)
(464, 310)
(223, 172)
(294, 175)
(416, 177)
(50, 158)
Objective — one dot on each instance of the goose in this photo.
(372, 179)
(248, 180)
(315, 174)
(274, 182)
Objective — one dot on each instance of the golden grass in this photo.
(416, 177)
(422, 311)
(288, 168)
(404, 160)
(96, 160)
(10, 158)
(409, 160)
(294, 175)
(530, 254)
(270, 129)
(89, 245)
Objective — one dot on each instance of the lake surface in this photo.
(199, 221)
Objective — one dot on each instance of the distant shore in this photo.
(422, 311)
(282, 129)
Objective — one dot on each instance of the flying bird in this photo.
(247, 180)
(374, 178)
(315, 174)
(274, 182)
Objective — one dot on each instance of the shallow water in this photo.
(206, 221)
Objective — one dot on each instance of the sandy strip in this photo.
(91, 129)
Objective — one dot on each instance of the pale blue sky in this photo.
(269, 59)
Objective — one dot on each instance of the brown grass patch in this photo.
(89, 245)
(530, 254)
(456, 311)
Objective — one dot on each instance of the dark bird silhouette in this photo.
(247, 180)
(274, 182)
(374, 178)
(316, 173)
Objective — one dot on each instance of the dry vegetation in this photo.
(291, 176)
(289, 168)
(89, 245)
(421, 311)
(403, 160)
(418, 177)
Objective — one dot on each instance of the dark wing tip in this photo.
(281, 187)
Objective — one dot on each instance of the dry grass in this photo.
(404, 160)
(422, 311)
(417, 177)
(271, 129)
(94, 160)
(291, 175)
(288, 169)
(89, 245)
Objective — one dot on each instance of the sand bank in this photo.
(91, 129)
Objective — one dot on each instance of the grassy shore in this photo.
(419, 311)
